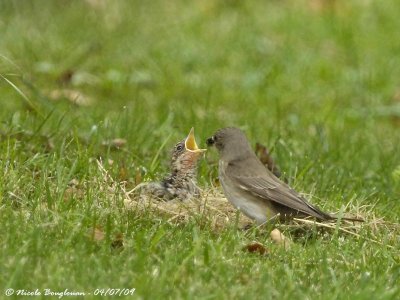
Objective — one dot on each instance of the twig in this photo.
(341, 229)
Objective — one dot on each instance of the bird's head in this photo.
(186, 154)
(230, 142)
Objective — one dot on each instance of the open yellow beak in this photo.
(190, 143)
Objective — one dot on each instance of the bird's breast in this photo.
(242, 199)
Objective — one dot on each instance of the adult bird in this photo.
(254, 189)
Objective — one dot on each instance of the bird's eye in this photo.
(179, 147)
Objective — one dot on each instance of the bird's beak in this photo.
(210, 141)
(190, 143)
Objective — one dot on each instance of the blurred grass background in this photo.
(316, 81)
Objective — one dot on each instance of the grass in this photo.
(318, 84)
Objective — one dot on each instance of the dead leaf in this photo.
(97, 234)
(118, 242)
(66, 77)
(123, 173)
(266, 158)
(73, 182)
(73, 191)
(138, 176)
(396, 96)
(117, 143)
(256, 247)
(74, 96)
(96, 4)
(49, 144)
(322, 5)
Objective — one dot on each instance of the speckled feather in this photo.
(181, 183)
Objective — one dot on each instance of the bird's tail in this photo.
(323, 216)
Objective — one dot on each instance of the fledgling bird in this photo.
(254, 189)
(181, 183)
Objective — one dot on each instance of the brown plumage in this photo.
(181, 182)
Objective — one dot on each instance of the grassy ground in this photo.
(317, 83)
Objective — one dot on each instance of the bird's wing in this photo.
(265, 185)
